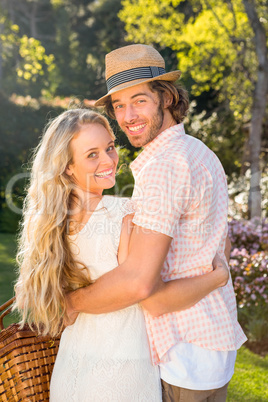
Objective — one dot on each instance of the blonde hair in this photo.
(47, 268)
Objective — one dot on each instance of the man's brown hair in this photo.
(180, 102)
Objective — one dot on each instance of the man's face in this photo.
(139, 114)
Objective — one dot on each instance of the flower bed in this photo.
(249, 270)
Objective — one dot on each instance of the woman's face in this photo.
(94, 159)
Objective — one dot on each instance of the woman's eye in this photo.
(111, 148)
(92, 155)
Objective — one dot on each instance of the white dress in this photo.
(104, 357)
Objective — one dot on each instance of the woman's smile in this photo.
(94, 160)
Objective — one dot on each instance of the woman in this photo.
(72, 235)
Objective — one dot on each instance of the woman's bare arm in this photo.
(183, 293)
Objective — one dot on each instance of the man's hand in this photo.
(222, 270)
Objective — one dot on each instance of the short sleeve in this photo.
(162, 193)
(127, 207)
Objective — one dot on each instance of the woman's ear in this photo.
(69, 170)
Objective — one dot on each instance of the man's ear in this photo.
(167, 99)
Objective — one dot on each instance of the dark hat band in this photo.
(134, 74)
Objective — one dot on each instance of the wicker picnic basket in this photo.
(26, 362)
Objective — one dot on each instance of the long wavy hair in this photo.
(47, 267)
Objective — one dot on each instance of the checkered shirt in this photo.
(181, 191)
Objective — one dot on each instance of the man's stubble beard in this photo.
(155, 129)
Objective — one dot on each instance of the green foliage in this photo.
(7, 272)
(7, 264)
(58, 48)
(217, 50)
(68, 38)
(214, 44)
(34, 58)
(151, 21)
(216, 47)
(238, 190)
(22, 56)
(20, 129)
(9, 220)
(21, 124)
(255, 323)
(57, 3)
(249, 270)
(219, 131)
(124, 179)
(8, 36)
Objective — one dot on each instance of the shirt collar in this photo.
(163, 140)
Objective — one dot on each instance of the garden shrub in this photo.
(249, 271)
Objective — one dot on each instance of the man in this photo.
(181, 222)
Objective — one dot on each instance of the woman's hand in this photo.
(180, 294)
(221, 269)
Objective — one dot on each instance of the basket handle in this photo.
(6, 308)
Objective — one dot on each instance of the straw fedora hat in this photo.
(132, 65)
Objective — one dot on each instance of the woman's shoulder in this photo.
(125, 205)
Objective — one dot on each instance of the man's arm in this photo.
(129, 283)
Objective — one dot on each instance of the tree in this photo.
(259, 103)
(86, 30)
(78, 33)
(49, 48)
(21, 126)
(220, 45)
(23, 58)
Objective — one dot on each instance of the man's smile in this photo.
(134, 129)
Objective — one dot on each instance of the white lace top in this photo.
(104, 357)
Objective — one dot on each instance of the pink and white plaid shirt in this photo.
(180, 190)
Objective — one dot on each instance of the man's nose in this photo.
(130, 114)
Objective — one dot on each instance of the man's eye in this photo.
(118, 107)
(141, 101)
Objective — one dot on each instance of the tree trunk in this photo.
(258, 109)
(32, 15)
(1, 57)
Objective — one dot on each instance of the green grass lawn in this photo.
(7, 270)
(7, 265)
(250, 380)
